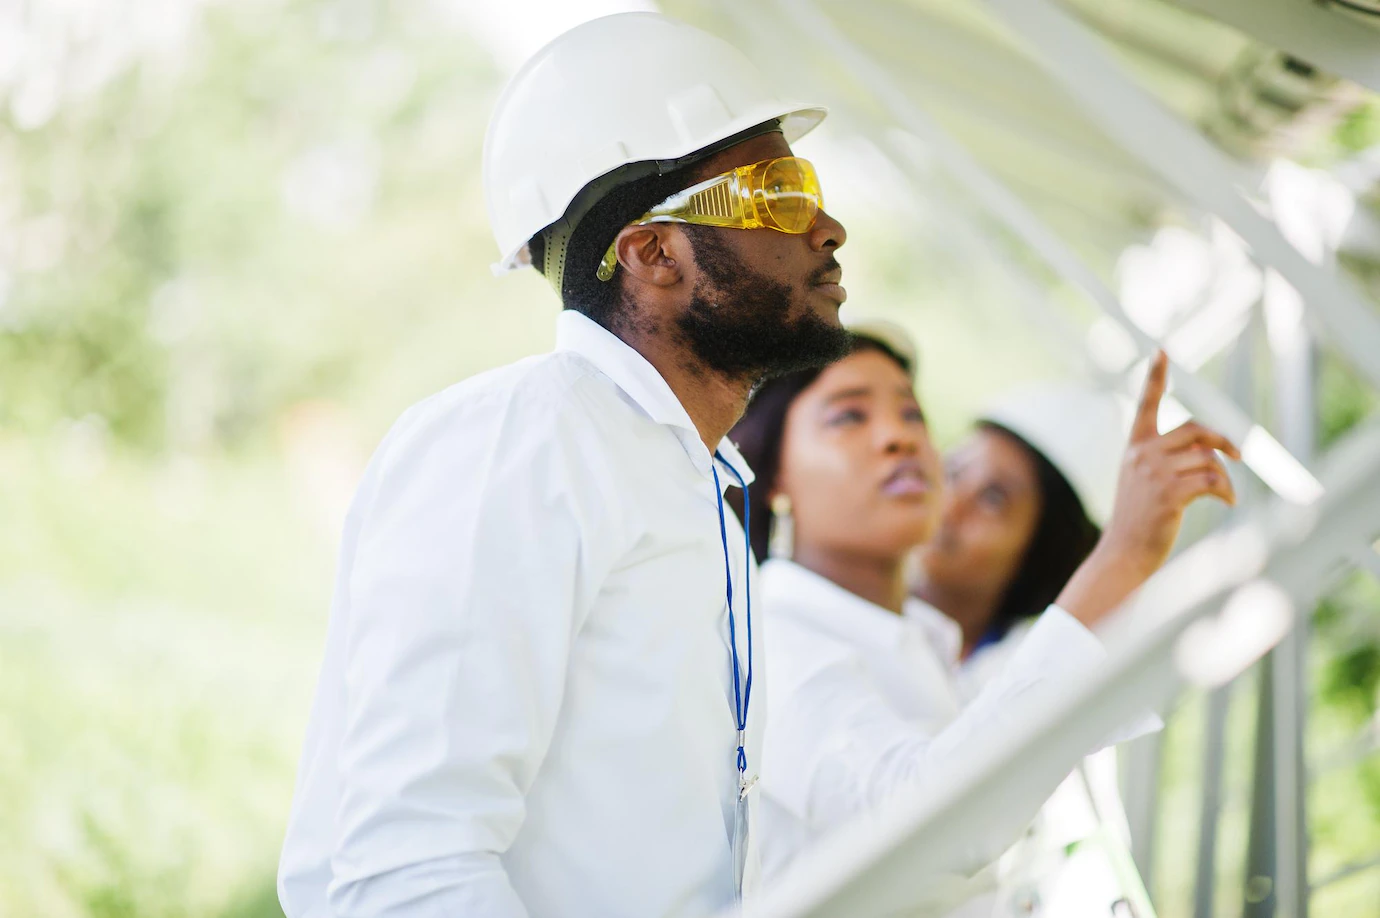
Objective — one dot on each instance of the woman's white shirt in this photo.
(863, 702)
(983, 664)
(1054, 871)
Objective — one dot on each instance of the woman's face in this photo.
(991, 507)
(857, 463)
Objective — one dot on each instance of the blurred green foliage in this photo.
(287, 214)
(213, 240)
(158, 648)
(1361, 128)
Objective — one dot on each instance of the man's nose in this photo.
(827, 233)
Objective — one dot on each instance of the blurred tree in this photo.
(1347, 683)
(201, 243)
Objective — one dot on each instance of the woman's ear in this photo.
(781, 538)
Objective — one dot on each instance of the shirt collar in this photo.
(945, 634)
(730, 455)
(640, 381)
(847, 616)
(828, 606)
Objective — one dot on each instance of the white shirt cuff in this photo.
(1059, 636)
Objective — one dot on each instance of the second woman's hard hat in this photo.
(1081, 431)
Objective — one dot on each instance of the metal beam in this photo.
(988, 65)
(984, 81)
(1296, 421)
(1140, 790)
(1308, 31)
(1290, 784)
(1022, 146)
(1349, 870)
(1207, 51)
(1261, 859)
(1189, 162)
(1284, 474)
(1031, 298)
(1210, 807)
(1241, 384)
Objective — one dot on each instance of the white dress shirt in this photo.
(526, 702)
(987, 660)
(1064, 865)
(864, 702)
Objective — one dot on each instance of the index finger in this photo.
(1146, 425)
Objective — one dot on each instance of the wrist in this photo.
(1128, 555)
(1111, 573)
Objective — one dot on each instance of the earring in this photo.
(781, 540)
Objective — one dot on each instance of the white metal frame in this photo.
(872, 868)
(892, 857)
(1188, 161)
(1264, 454)
(1309, 31)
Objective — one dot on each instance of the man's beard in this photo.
(738, 322)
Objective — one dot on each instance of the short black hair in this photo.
(758, 437)
(1063, 538)
(581, 289)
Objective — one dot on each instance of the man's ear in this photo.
(656, 254)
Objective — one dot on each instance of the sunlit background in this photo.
(237, 239)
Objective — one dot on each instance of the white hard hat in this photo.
(627, 88)
(1082, 432)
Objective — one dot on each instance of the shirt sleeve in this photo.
(1060, 629)
(836, 747)
(480, 551)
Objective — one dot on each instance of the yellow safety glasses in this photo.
(781, 194)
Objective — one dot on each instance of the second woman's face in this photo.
(991, 508)
(857, 462)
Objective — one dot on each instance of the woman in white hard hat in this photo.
(861, 687)
(1025, 497)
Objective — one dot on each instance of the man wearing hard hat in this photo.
(538, 690)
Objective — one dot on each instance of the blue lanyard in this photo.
(742, 689)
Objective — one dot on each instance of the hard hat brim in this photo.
(796, 121)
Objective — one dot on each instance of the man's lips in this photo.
(829, 285)
(834, 292)
(907, 480)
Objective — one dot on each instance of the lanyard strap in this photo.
(742, 688)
